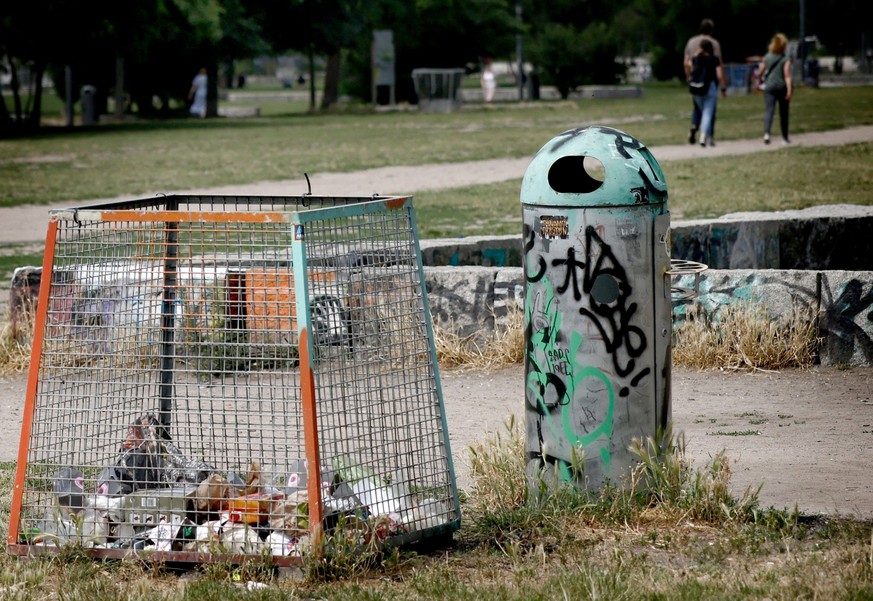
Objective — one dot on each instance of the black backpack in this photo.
(697, 84)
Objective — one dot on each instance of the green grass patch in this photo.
(794, 178)
(13, 256)
(134, 158)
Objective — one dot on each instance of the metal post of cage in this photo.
(168, 313)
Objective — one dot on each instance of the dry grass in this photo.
(742, 336)
(738, 337)
(505, 345)
(14, 352)
(497, 468)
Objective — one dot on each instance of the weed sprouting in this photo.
(508, 510)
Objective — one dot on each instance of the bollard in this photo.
(597, 306)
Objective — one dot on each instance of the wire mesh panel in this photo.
(232, 375)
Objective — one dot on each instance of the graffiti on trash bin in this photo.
(576, 402)
(555, 378)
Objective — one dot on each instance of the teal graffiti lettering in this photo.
(544, 321)
(494, 257)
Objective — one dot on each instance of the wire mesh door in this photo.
(232, 375)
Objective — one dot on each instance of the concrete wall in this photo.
(819, 257)
(826, 237)
(471, 299)
(818, 238)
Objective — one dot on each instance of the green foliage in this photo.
(568, 57)
(432, 34)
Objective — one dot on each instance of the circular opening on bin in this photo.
(576, 174)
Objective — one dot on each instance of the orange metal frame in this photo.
(33, 380)
(310, 434)
(194, 216)
(307, 380)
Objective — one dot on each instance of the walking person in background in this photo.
(488, 81)
(704, 82)
(691, 48)
(197, 93)
(775, 73)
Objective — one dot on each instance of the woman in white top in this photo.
(197, 94)
(489, 82)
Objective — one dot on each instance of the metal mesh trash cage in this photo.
(232, 376)
(438, 90)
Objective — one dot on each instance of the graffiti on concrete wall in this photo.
(844, 306)
(848, 323)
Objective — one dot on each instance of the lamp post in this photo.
(802, 40)
(519, 51)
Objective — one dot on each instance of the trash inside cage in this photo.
(232, 376)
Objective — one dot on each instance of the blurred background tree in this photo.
(145, 53)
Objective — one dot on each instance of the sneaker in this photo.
(786, 141)
(766, 138)
(692, 135)
(710, 142)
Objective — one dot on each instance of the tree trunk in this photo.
(212, 90)
(311, 78)
(36, 108)
(331, 80)
(119, 87)
(5, 117)
(16, 90)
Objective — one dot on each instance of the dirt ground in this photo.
(805, 435)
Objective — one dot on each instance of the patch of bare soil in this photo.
(805, 435)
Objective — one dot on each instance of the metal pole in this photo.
(519, 51)
(168, 318)
(68, 91)
(802, 41)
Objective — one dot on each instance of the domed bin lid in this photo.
(594, 166)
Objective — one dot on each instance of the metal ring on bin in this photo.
(680, 267)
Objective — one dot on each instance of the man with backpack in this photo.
(691, 48)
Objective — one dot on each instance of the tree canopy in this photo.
(162, 43)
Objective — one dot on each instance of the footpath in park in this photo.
(30, 220)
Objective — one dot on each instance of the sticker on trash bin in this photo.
(298, 232)
(554, 226)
